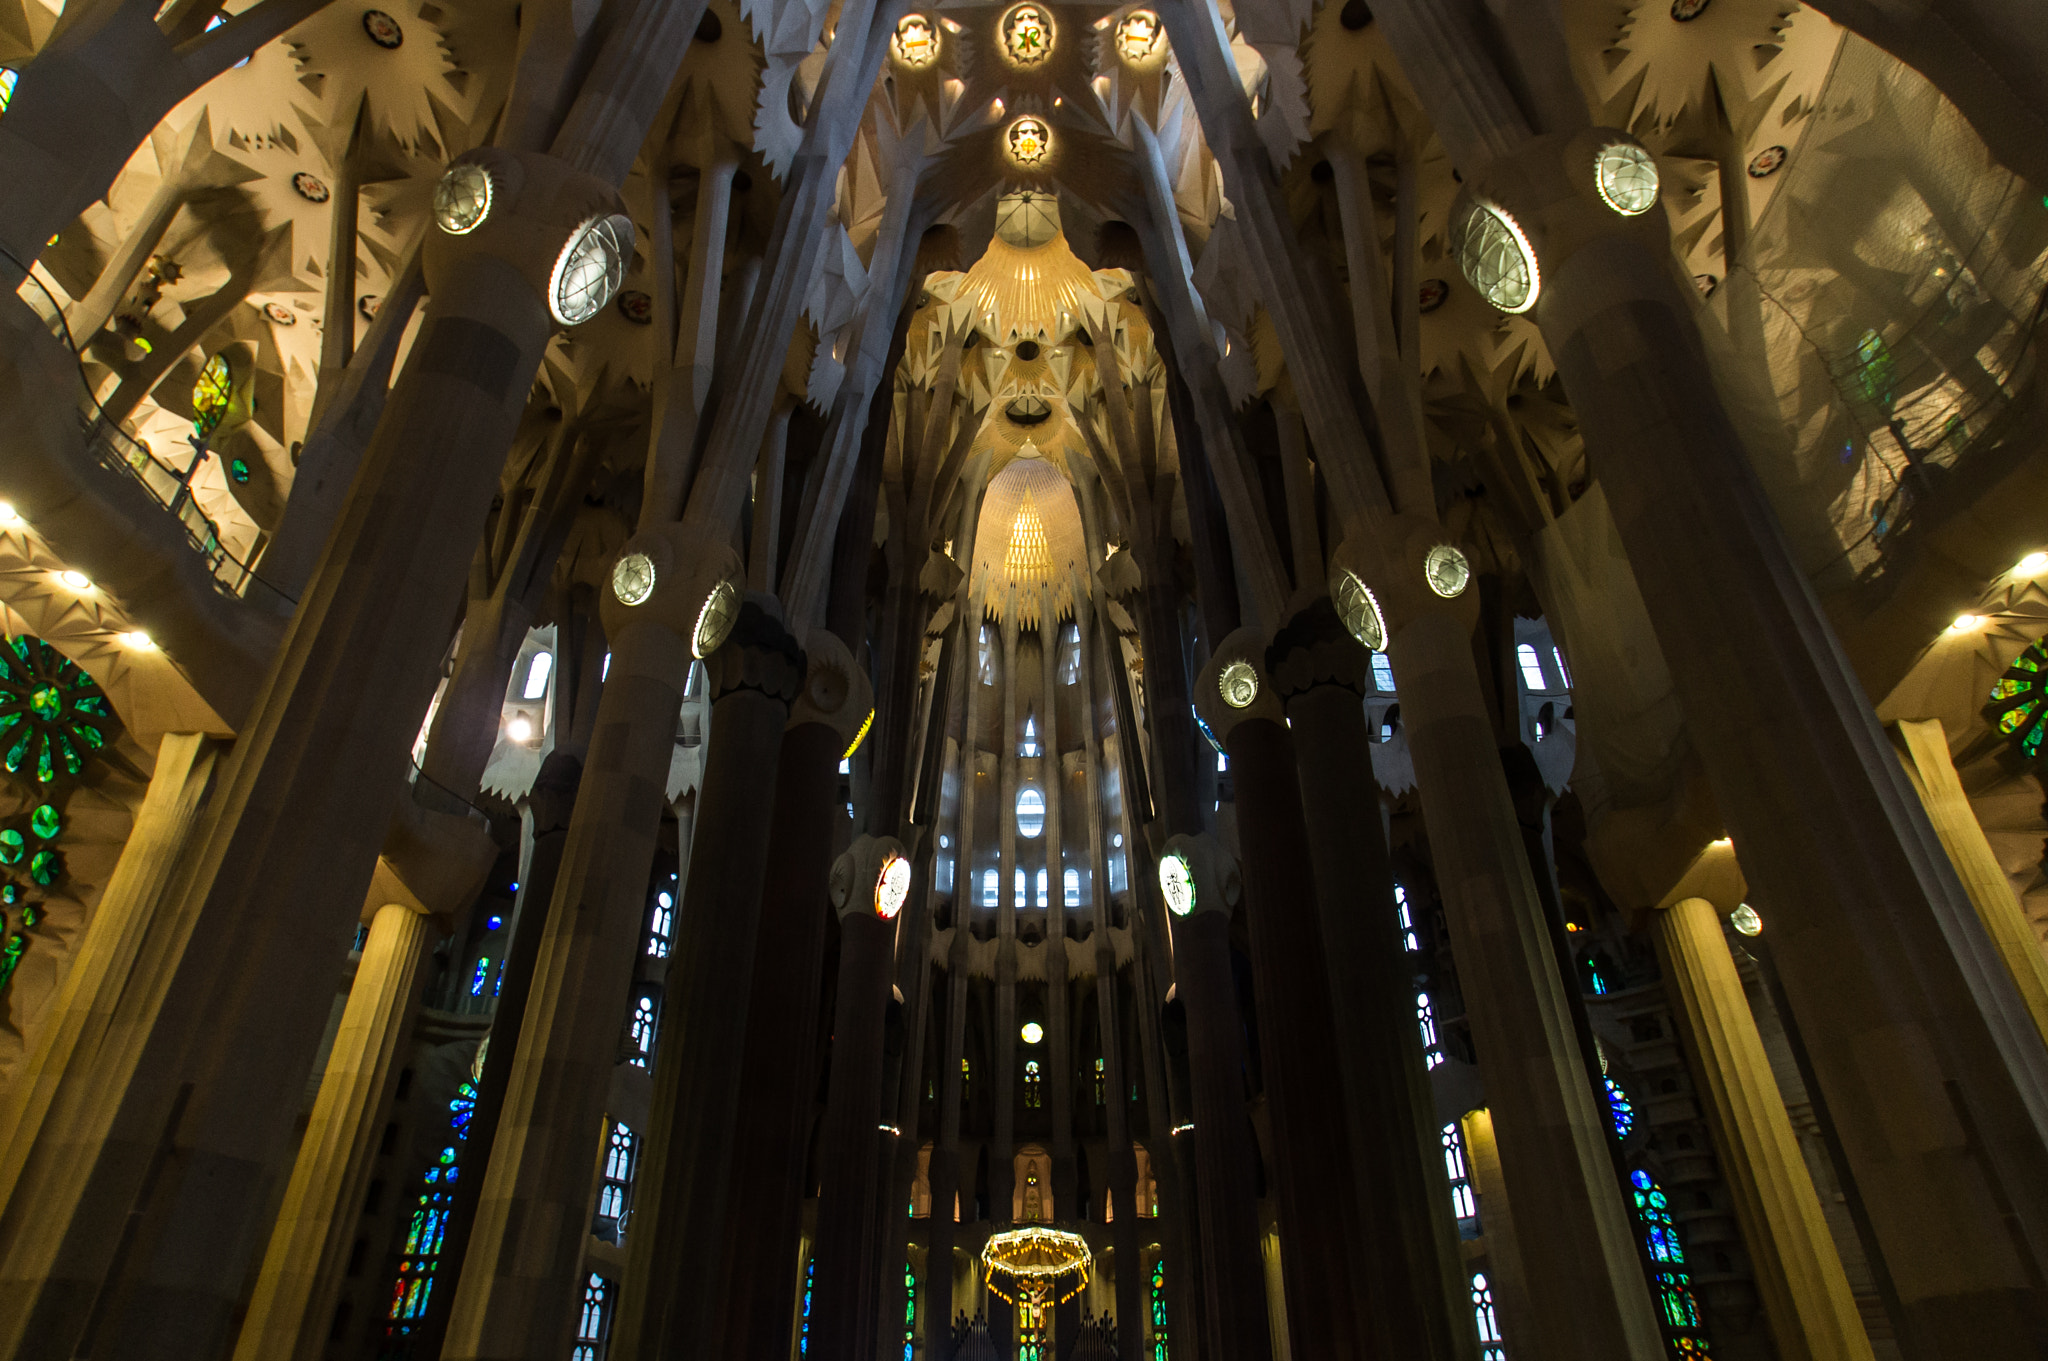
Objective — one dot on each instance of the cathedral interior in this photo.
(813, 680)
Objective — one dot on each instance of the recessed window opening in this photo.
(537, 676)
(1030, 812)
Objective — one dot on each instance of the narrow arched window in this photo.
(1408, 940)
(1462, 1203)
(1041, 889)
(1532, 667)
(594, 1324)
(1382, 673)
(990, 886)
(988, 657)
(1483, 1319)
(1071, 881)
(1023, 888)
(1030, 812)
(1032, 1086)
(1029, 746)
(641, 1034)
(537, 675)
(1425, 1020)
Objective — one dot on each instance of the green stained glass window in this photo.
(238, 469)
(1876, 373)
(45, 866)
(2016, 707)
(211, 395)
(52, 714)
(426, 1231)
(44, 822)
(12, 846)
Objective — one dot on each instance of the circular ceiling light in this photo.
(1028, 143)
(1359, 608)
(1497, 258)
(1177, 882)
(1446, 570)
(633, 579)
(1239, 684)
(590, 268)
(892, 888)
(462, 200)
(77, 581)
(915, 42)
(1141, 38)
(1745, 920)
(1027, 34)
(1032, 1032)
(1626, 176)
(720, 612)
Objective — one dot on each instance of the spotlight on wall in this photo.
(2032, 565)
(520, 729)
(1965, 622)
(77, 581)
(138, 640)
(9, 516)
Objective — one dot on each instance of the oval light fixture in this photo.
(1497, 258)
(915, 43)
(462, 200)
(892, 887)
(1177, 882)
(1745, 920)
(720, 611)
(1626, 176)
(1447, 571)
(633, 579)
(1239, 684)
(1032, 1032)
(1359, 608)
(590, 268)
(77, 581)
(1141, 38)
(1028, 142)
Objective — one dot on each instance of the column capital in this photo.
(1314, 648)
(758, 655)
(432, 862)
(535, 204)
(1409, 568)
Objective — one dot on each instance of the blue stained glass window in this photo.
(1620, 1108)
(427, 1228)
(479, 976)
(594, 1324)
(909, 1313)
(803, 1340)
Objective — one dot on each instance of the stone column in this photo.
(1413, 1292)
(1002, 1152)
(1233, 1277)
(683, 1193)
(519, 1283)
(292, 1310)
(763, 1219)
(1311, 1169)
(1585, 1283)
(1934, 779)
(850, 1142)
(1806, 1296)
(142, 1218)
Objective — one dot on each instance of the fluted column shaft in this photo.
(779, 1075)
(685, 1181)
(1408, 1275)
(1311, 1168)
(519, 1283)
(291, 1313)
(1806, 1296)
(1578, 1245)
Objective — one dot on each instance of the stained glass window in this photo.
(7, 79)
(1484, 1319)
(1159, 1330)
(1677, 1307)
(661, 924)
(1463, 1204)
(909, 1313)
(1032, 1085)
(803, 1338)
(594, 1324)
(615, 1191)
(52, 715)
(1620, 1109)
(479, 976)
(1876, 373)
(641, 1033)
(427, 1229)
(211, 395)
(1100, 1094)
(1408, 941)
(1382, 673)
(1660, 1234)
(2016, 707)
